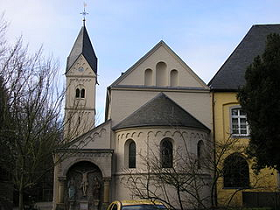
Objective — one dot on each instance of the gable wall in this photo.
(185, 75)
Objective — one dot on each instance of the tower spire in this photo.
(84, 13)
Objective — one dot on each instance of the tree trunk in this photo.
(20, 199)
(20, 194)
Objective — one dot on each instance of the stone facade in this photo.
(96, 169)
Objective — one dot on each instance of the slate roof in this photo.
(160, 111)
(82, 46)
(231, 75)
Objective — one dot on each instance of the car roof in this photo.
(135, 202)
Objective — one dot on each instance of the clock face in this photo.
(81, 69)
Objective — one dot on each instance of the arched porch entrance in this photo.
(84, 188)
(78, 177)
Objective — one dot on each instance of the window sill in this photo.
(236, 188)
(240, 136)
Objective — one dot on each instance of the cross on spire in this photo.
(84, 13)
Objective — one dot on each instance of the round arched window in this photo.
(166, 150)
(236, 172)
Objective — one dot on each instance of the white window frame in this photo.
(239, 116)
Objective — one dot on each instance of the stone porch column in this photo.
(61, 186)
(106, 192)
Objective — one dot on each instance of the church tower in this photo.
(81, 80)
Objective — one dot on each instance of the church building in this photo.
(158, 110)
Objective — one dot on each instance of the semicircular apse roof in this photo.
(160, 111)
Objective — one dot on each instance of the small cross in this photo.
(84, 13)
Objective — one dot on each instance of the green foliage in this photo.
(260, 99)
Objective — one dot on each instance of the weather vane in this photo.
(84, 13)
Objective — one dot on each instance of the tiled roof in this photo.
(82, 46)
(231, 75)
(160, 111)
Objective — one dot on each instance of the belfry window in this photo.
(78, 93)
(83, 93)
(166, 150)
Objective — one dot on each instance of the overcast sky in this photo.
(202, 32)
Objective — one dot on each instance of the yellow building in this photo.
(237, 184)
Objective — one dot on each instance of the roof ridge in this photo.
(266, 24)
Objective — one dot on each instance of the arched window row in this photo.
(166, 153)
(174, 78)
(236, 172)
(130, 153)
(161, 76)
(148, 80)
(80, 93)
(200, 153)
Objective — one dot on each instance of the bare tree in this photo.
(191, 181)
(182, 184)
(31, 114)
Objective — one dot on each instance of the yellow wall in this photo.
(266, 180)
